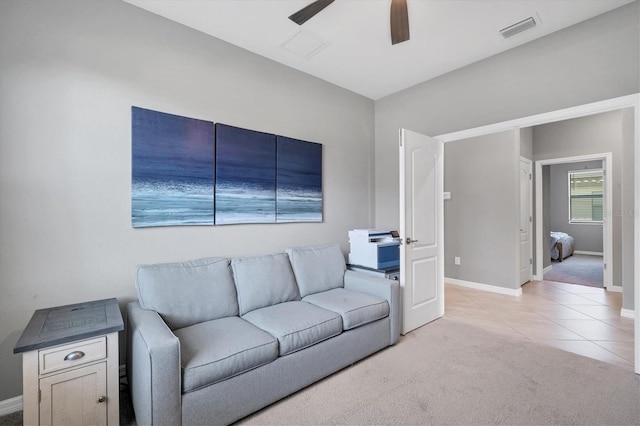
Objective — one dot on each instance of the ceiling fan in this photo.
(399, 17)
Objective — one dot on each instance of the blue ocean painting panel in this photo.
(172, 170)
(245, 176)
(299, 181)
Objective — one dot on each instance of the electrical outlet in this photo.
(456, 260)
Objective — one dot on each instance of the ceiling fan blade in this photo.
(399, 21)
(308, 12)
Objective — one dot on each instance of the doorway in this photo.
(630, 101)
(544, 226)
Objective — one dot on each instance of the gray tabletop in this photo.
(64, 324)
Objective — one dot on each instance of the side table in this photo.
(70, 364)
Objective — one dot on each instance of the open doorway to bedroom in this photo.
(573, 204)
(628, 254)
(576, 242)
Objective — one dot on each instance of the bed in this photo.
(561, 245)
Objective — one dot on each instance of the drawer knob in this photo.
(102, 398)
(72, 356)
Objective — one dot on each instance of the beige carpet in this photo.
(449, 373)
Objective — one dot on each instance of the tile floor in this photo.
(575, 318)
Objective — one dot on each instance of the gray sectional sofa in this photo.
(212, 340)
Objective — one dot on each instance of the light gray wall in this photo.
(597, 134)
(591, 61)
(69, 73)
(482, 216)
(526, 143)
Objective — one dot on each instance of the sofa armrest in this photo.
(153, 368)
(380, 287)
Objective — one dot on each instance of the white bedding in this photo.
(567, 244)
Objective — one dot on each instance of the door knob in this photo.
(409, 241)
(102, 398)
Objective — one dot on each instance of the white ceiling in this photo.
(352, 38)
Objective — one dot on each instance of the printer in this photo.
(375, 249)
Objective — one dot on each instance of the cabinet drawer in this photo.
(71, 355)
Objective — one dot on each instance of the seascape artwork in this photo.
(172, 170)
(299, 181)
(187, 171)
(245, 185)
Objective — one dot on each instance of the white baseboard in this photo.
(484, 287)
(615, 288)
(9, 406)
(588, 253)
(627, 313)
(540, 277)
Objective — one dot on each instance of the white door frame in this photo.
(607, 235)
(629, 101)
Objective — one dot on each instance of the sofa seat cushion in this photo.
(355, 308)
(296, 325)
(215, 350)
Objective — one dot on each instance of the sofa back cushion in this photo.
(318, 268)
(263, 281)
(187, 293)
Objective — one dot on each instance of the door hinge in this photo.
(39, 396)
(530, 261)
(605, 266)
(530, 218)
(530, 178)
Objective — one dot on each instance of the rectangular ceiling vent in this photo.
(304, 43)
(517, 28)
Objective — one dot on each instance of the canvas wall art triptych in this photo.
(187, 171)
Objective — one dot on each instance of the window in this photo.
(585, 196)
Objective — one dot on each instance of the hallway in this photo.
(580, 319)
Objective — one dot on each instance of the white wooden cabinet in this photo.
(75, 397)
(74, 383)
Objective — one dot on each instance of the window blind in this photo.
(585, 196)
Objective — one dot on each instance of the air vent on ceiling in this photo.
(304, 43)
(517, 28)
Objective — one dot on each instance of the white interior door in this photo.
(526, 260)
(421, 229)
